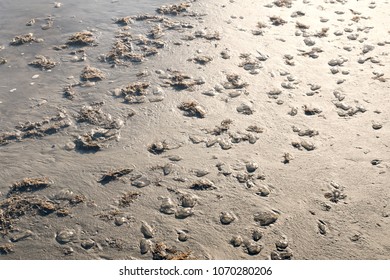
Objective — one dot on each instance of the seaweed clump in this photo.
(81, 39)
(161, 251)
(133, 92)
(91, 74)
(173, 9)
(23, 39)
(192, 109)
(29, 185)
(43, 62)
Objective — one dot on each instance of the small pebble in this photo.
(257, 234)
(167, 206)
(266, 218)
(226, 218)
(65, 236)
(251, 167)
(145, 245)
(182, 213)
(88, 244)
(147, 230)
(236, 241)
(253, 248)
(182, 236)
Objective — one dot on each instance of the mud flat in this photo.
(197, 130)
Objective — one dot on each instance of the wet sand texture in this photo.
(198, 130)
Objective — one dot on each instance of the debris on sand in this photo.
(192, 109)
(93, 114)
(220, 129)
(95, 140)
(266, 218)
(36, 129)
(123, 21)
(91, 74)
(29, 185)
(2, 61)
(158, 147)
(250, 63)
(203, 59)
(336, 194)
(16, 206)
(275, 20)
(180, 81)
(260, 28)
(128, 198)
(322, 33)
(234, 82)
(81, 39)
(43, 62)
(161, 251)
(173, 9)
(6, 248)
(114, 175)
(23, 39)
(156, 32)
(135, 92)
(202, 185)
(69, 92)
(283, 3)
(208, 35)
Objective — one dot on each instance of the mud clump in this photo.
(23, 39)
(192, 109)
(266, 218)
(81, 39)
(91, 74)
(43, 62)
(29, 185)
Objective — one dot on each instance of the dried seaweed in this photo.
(2, 61)
(123, 21)
(14, 207)
(29, 185)
(192, 109)
(69, 92)
(23, 39)
(43, 62)
(92, 74)
(173, 9)
(36, 129)
(134, 90)
(95, 140)
(93, 114)
(161, 251)
(114, 175)
(81, 39)
(128, 198)
(180, 81)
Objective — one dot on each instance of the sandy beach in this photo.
(204, 130)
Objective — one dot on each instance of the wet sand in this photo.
(214, 130)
